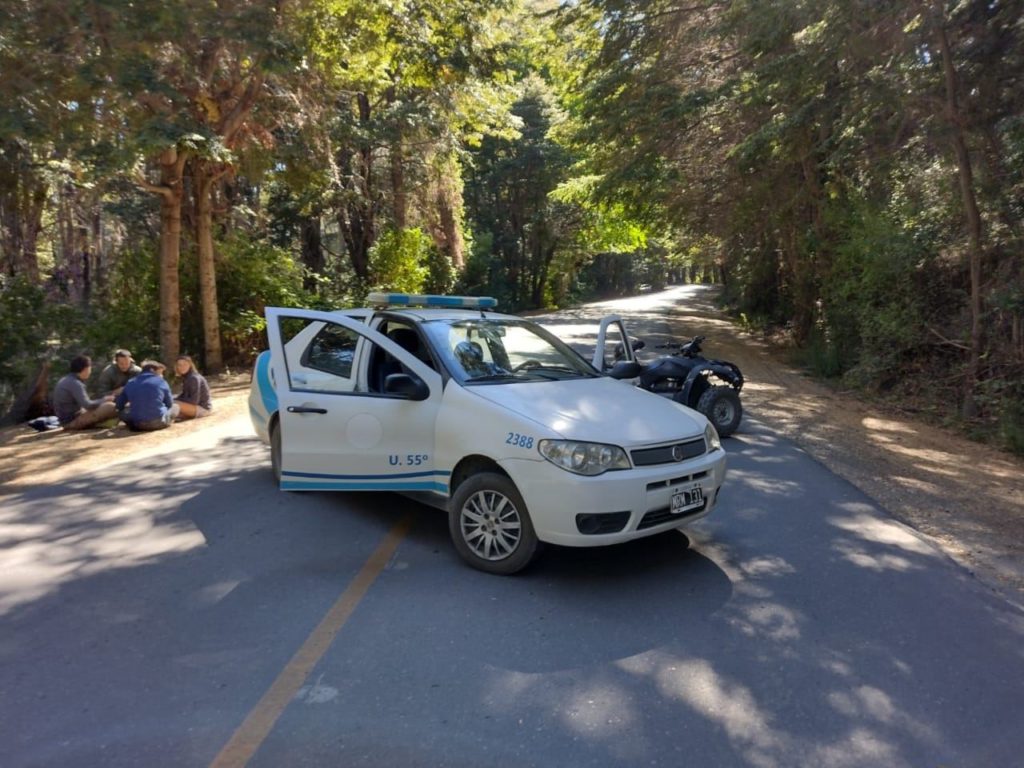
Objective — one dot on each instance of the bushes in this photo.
(36, 330)
(886, 288)
(398, 261)
(251, 275)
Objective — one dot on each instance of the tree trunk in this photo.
(33, 400)
(312, 251)
(454, 245)
(172, 163)
(354, 223)
(400, 201)
(205, 176)
(22, 199)
(974, 224)
(357, 214)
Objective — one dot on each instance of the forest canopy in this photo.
(851, 172)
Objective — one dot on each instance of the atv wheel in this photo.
(722, 407)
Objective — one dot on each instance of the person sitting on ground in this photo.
(71, 403)
(118, 373)
(194, 399)
(146, 403)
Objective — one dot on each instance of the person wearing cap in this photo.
(146, 403)
(118, 373)
(71, 403)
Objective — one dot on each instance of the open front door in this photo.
(339, 427)
(613, 344)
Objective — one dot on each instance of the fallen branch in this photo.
(950, 342)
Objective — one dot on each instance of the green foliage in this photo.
(885, 289)
(129, 314)
(440, 278)
(251, 275)
(399, 261)
(36, 330)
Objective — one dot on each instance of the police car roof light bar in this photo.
(379, 299)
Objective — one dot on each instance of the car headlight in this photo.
(711, 438)
(583, 458)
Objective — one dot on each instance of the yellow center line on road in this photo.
(257, 726)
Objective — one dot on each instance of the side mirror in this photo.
(625, 369)
(637, 344)
(407, 386)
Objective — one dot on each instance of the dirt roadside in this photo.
(29, 458)
(966, 497)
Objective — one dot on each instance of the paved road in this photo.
(151, 612)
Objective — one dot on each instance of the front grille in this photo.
(664, 515)
(669, 454)
(676, 481)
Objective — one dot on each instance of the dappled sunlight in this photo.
(861, 747)
(866, 702)
(86, 541)
(769, 620)
(766, 565)
(886, 425)
(761, 387)
(916, 483)
(764, 484)
(730, 705)
(874, 561)
(600, 709)
(212, 594)
(703, 321)
(864, 526)
(946, 463)
(753, 731)
(117, 518)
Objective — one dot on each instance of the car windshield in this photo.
(498, 351)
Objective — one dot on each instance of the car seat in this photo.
(408, 340)
(471, 357)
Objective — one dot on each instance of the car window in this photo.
(499, 351)
(332, 351)
(319, 355)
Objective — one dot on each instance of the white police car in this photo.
(486, 415)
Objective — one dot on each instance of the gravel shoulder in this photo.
(966, 497)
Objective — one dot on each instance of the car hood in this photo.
(598, 410)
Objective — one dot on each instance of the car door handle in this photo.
(304, 409)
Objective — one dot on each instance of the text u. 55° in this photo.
(408, 460)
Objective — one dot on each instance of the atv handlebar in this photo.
(686, 346)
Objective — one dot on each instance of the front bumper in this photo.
(559, 501)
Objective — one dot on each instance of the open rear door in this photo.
(339, 428)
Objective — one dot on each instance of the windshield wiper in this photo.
(493, 377)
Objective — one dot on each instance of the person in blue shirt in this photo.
(146, 403)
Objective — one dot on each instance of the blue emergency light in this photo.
(425, 300)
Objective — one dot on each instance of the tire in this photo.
(722, 407)
(275, 451)
(489, 525)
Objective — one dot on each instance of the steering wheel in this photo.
(526, 365)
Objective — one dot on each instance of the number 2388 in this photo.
(520, 441)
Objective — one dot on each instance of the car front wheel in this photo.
(490, 526)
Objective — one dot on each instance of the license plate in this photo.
(687, 499)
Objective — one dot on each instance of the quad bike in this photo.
(685, 375)
(709, 386)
